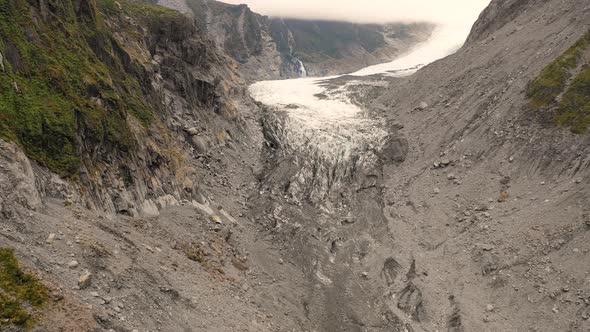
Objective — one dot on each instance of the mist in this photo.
(443, 12)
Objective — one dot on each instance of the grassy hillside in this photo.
(564, 86)
(64, 78)
(20, 292)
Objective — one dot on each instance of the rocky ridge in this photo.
(272, 48)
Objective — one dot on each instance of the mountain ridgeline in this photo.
(285, 48)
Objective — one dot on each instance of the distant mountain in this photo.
(283, 48)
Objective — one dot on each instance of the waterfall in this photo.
(300, 68)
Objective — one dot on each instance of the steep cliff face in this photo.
(270, 48)
(120, 97)
(111, 111)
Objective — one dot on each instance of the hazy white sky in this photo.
(448, 12)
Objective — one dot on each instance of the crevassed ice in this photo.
(328, 121)
(332, 124)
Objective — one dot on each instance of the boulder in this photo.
(85, 280)
(124, 204)
(200, 144)
(410, 302)
(395, 150)
(503, 197)
(166, 200)
(149, 209)
(192, 131)
(17, 179)
(422, 106)
(50, 238)
(216, 219)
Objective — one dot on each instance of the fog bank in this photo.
(444, 12)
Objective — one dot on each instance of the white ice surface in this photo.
(335, 126)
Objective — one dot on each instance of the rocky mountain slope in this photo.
(118, 97)
(112, 109)
(489, 212)
(271, 48)
(139, 192)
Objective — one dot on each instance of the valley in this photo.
(197, 185)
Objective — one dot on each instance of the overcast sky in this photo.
(448, 12)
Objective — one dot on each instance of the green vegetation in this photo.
(322, 39)
(573, 109)
(108, 5)
(157, 14)
(18, 291)
(64, 79)
(194, 252)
